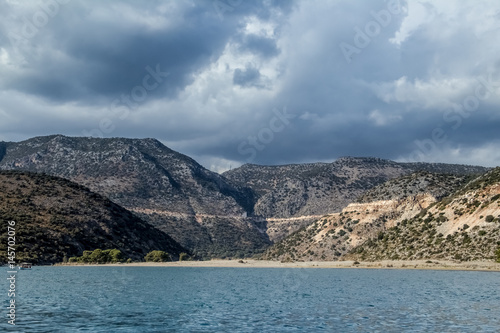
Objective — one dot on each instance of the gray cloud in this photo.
(264, 46)
(250, 76)
(409, 75)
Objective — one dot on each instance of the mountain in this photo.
(417, 216)
(436, 184)
(289, 197)
(464, 226)
(200, 209)
(236, 214)
(55, 218)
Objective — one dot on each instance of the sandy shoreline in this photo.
(385, 264)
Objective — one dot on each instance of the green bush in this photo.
(115, 255)
(99, 256)
(157, 256)
(498, 255)
(489, 218)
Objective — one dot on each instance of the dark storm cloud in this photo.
(105, 54)
(246, 77)
(377, 78)
(266, 47)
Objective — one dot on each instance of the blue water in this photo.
(175, 299)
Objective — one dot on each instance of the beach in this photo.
(384, 264)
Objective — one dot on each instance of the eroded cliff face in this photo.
(333, 236)
(464, 225)
(470, 209)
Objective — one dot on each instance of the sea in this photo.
(196, 299)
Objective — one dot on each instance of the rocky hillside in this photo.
(372, 227)
(289, 197)
(464, 226)
(239, 213)
(436, 184)
(312, 189)
(198, 208)
(56, 218)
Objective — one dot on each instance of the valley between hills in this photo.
(70, 195)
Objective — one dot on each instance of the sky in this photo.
(229, 82)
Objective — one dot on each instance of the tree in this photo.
(116, 255)
(498, 254)
(183, 256)
(157, 256)
(98, 256)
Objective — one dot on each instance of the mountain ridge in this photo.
(143, 174)
(240, 212)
